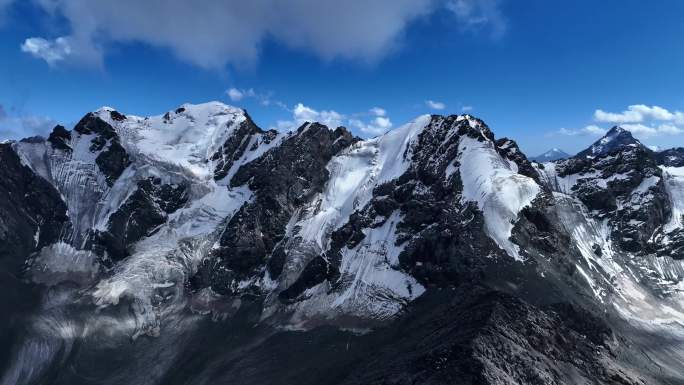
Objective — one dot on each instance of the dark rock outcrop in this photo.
(283, 179)
(236, 146)
(112, 159)
(60, 138)
(621, 180)
(673, 157)
(32, 213)
(146, 209)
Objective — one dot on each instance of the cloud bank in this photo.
(642, 120)
(214, 33)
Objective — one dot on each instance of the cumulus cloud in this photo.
(235, 95)
(377, 111)
(591, 130)
(638, 113)
(52, 51)
(476, 15)
(265, 99)
(648, 131)
(645, 121)
(376, 126)
(435, 105)
(302, 114)
(213, 33)
(372, 122)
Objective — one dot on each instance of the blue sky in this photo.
(547, 73)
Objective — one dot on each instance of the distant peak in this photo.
(617, 138)
(551, 155)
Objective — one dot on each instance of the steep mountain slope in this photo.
(171, 221)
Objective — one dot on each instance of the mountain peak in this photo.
(616, 130)
(617, 138)
(551, 155)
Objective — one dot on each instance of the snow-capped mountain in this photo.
(431, 254)
(550, 156)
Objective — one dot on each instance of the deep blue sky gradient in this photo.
(555, 64)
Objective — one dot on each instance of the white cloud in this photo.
(303, 114)
(265, 99)
(466, 108)
(477, 15)
(377, 111)
(435, 105)
(647, 131)
(638, 113)
(378, 125)
(213, 33)
(373, 122)
(591, 130)
(235, 95)
(645, 121)
(52, 51)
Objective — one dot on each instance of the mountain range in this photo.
(195, 247)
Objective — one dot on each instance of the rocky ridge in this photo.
(199, 209)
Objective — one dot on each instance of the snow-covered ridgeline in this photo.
(178, 148)
(185, 138)
(354, 174)
(374, 286)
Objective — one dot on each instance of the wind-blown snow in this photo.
(497, 189)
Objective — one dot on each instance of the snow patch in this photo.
(498, 190)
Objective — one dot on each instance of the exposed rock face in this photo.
(32, 214)
(143, 211)
(234, 148)
(283, 179)
(476, 336)
(509, 149)
(619, 178)
(470, 263)
(60, 138)
(673, 157)
(112, 159)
